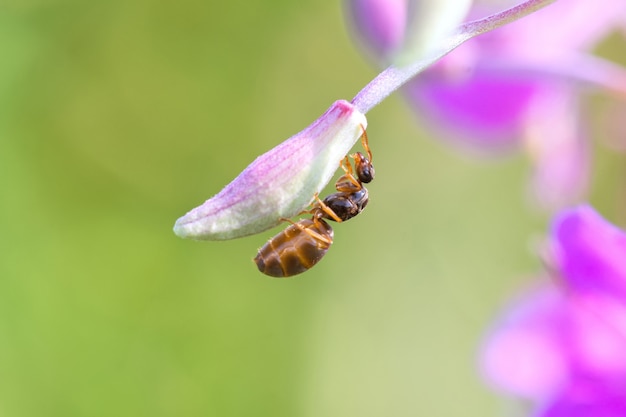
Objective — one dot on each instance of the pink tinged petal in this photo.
(580, 69)
(599, 335)
(558, 150)
(590, 253)
(280, 183)
(549, 339)
(524, 355)
(589, 398)
(484, 110)
(534, 46)
(581, 25)
(380, 24)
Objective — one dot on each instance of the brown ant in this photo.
(301, 245)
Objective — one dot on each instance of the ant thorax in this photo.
(346, 205)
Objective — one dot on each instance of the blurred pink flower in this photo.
(518, 87)
(589, 398)
(590, 253)
(564, 348)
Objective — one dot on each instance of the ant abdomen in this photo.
(296, 249)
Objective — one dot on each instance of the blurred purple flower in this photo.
(590, 253)
(564, 348)
(590, 398)
(517, 87)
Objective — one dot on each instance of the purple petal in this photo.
(483, 109)
(582, 24)
(548, 338)
(590, 398)
(524, 355)
(598, 336)
(280, 183)
(590, 253)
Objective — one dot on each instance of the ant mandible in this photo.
(303, 244)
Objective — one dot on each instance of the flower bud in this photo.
(280, 183)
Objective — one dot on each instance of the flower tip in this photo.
(213, 221)
(187, 228)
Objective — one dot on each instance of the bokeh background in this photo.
(117, 117)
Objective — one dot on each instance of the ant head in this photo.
(364, 168)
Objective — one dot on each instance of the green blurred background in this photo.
(117, 117)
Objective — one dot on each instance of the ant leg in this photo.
(319, 206)
(346, 165)
(365, 143)
(327, 210)
(312, 233)
(317, 236)
(312, 210)
(363, 165)
(347, 182)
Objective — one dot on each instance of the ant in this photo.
(300, 246)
